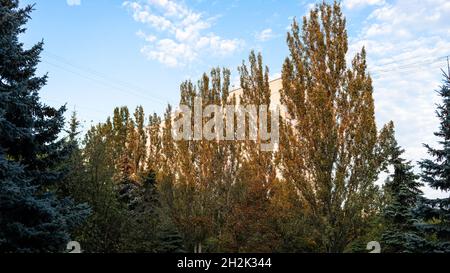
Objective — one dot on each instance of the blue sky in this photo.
(105, 53)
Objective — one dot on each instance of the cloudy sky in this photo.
(105, 53)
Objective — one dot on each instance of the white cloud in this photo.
(184, 35)
(73, 2)
(350, 4)
(405, 42)
(170, 53)
(264, 35)
(147, 37)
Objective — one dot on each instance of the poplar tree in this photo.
(32, 217)
(122, 130)
(154, 156)
(256, 91)
(250, 221)
(140, 143)
(329, 145)
(201, 165)
(168, 145)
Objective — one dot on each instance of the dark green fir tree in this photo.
(168, 238)
(403, 194)
(436, 173)
(32, 217)
(73, 166)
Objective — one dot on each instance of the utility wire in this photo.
(125, 87)
(77, 106)
(415, 64)
(408, 68)
(102, 82)
(100, 77)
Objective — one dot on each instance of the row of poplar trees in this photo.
(128, 186)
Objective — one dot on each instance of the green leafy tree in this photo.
(106, 229)
(124, 211)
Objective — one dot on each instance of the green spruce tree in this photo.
(436, 173)
(73, 182)
(32, 217)
(403, 190)
(169, 239)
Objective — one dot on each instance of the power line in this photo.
(399, 68)
(424, 62)
(94, 72)
(105, 80)
(77, 106)
(102, 82)
(130, 86)
(410, 67)
(100, 77)
(403, 51)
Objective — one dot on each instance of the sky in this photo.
(100, 54)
